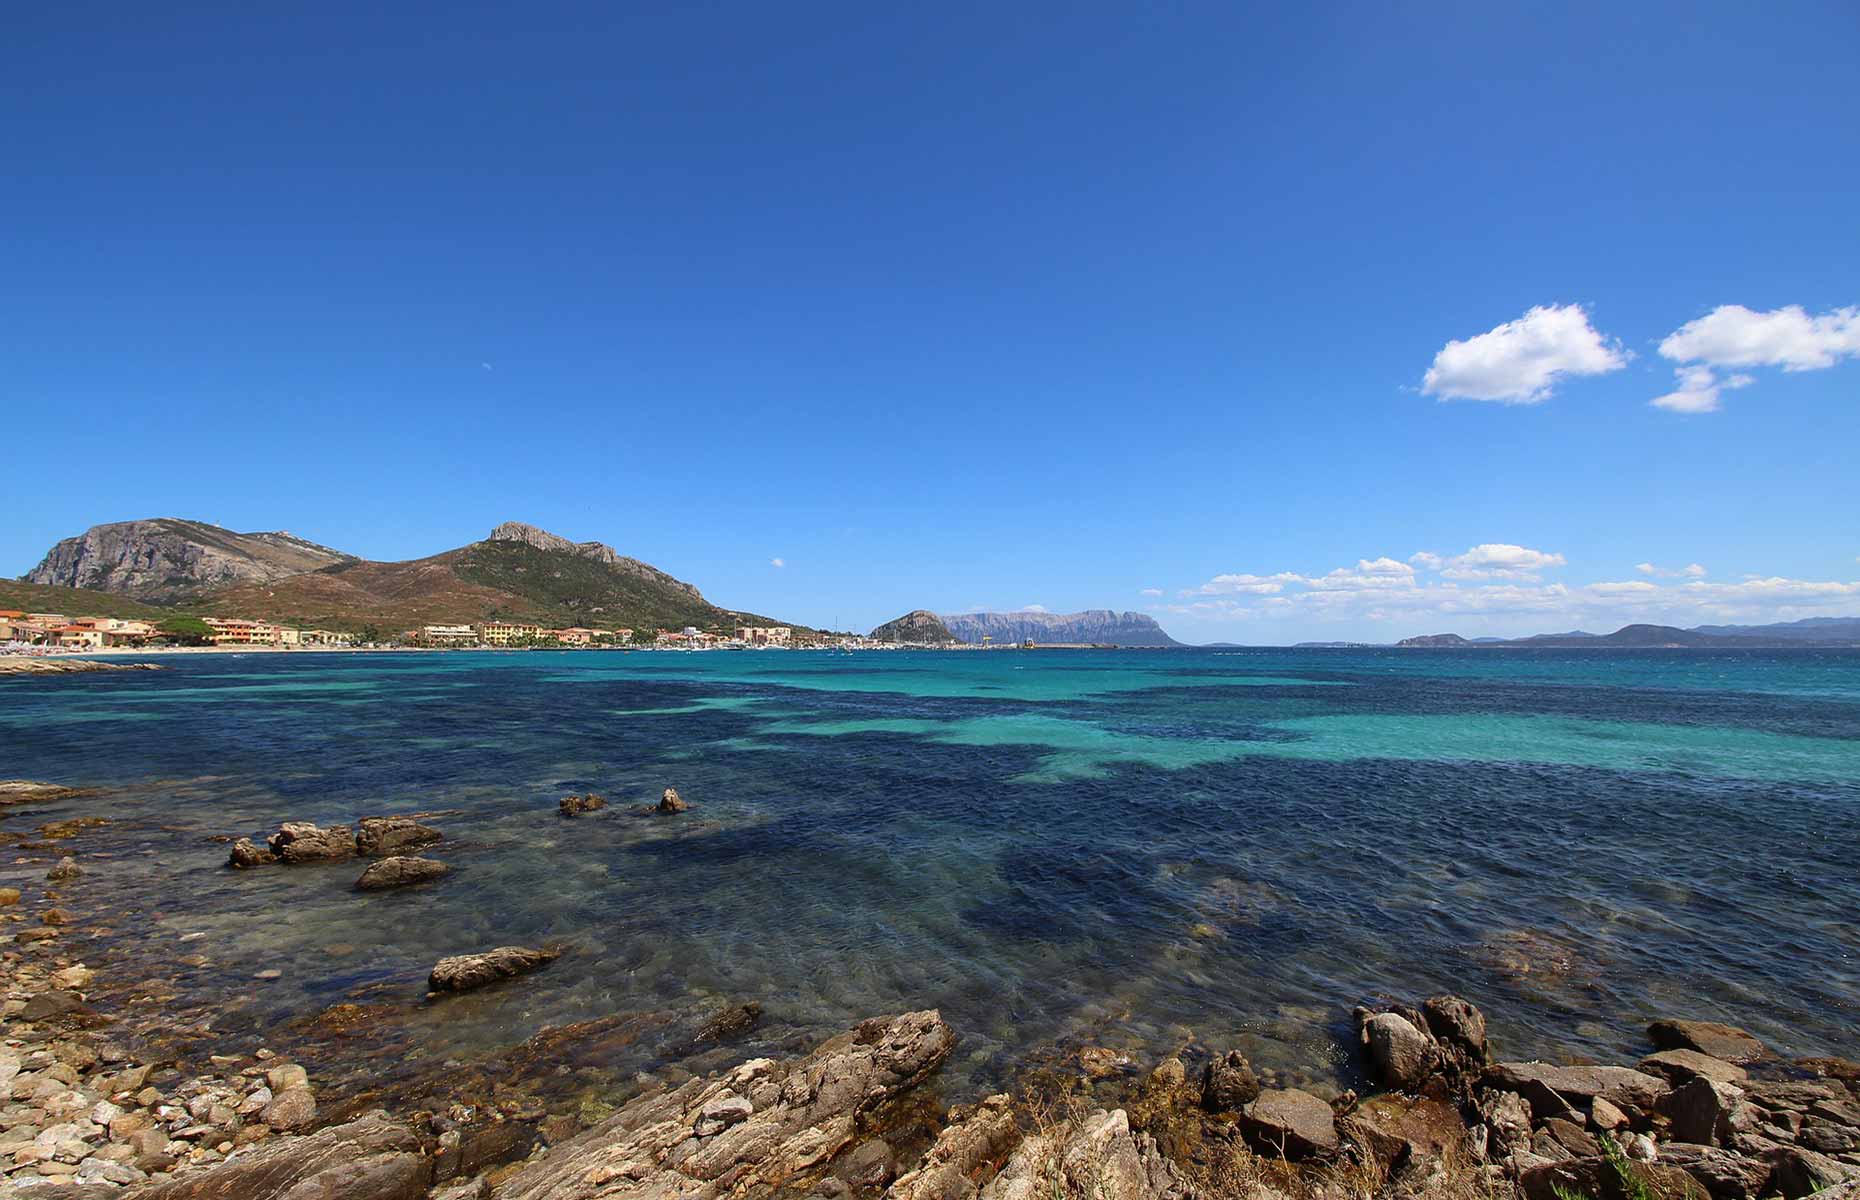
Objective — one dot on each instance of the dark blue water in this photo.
(1131, 849)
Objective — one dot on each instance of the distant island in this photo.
(1814, 631)
(1093, 627)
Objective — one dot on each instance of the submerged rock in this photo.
(671, 802)
(732, 1022)
(380, 836)
(570, 806)
(466, 971)
(399, 871)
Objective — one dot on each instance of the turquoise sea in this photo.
(1138, 850)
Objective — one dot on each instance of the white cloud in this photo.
(1520, 361)
(778, 562)
(1734, 336)
(1256, 585)
(1698, 390)
(1426, 561)
(1151, 592)
(1689, 571)
(1033, 608)
(1500, 560)
(1626, 588)
(1383, 566)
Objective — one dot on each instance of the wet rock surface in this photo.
(400, 871)
(463, 972)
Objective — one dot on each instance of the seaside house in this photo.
(573, 637)
(506, 633)
(766, 635)
(77, 637)
(446, 635)
(237, 631)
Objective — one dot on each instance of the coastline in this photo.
(186, 1112)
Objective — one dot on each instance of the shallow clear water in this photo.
(1127, 848)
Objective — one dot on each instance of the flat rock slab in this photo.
(370, 1158)
(1679, 1066)
(1726, 1042)
(1617, 1085)
(1292, 1121)
(463, 972)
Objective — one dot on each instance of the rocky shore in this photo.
(21, 664)
(99, 1097)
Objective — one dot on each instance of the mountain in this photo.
(919, 627)
(1843, 631)
(1649, 636)
(1098, 625)
(168, 559)
(520, 573)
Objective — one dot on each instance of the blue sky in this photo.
(1070, 306)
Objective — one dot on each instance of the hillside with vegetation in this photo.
(73, 602)
(519, 573)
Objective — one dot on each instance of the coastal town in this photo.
(46, 632)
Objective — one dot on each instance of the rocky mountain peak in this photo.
(542, 539)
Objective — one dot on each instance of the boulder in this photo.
(304, 842)
(1290, 1123)
(246, 854)
(370, 1158)
(671, 802)
(1726, 1042)
(1797, 1172)
(1724, 1173)
(380, 836)
(1678, 1066)
(8, 895)
(1228, 1084)
(1399, 1054)
(1457, 1022)
(570, 806)
(963, 1155)
(65, 869)
(399, 871)
(805, 1113)
(466, 971)
(1579, 1085)
(1700, 1111)
(292, 1108)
